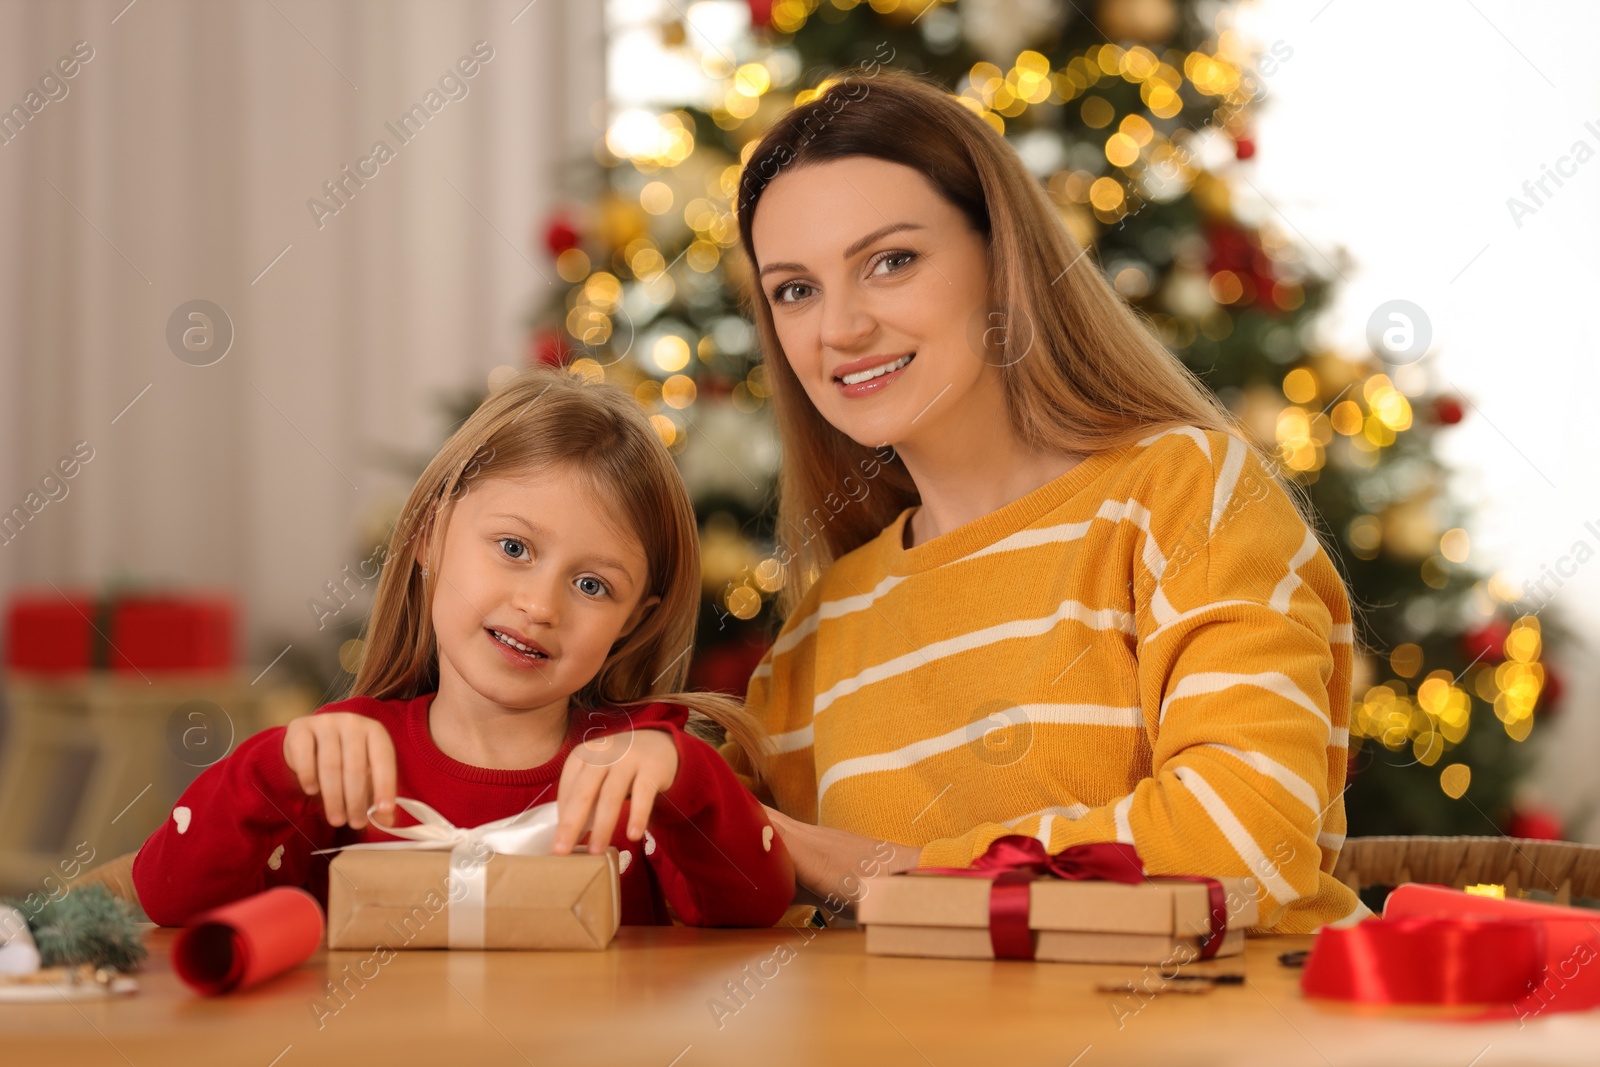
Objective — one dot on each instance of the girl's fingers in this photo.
(574, 803)
(607, 808)
(330, 775)
(356, 775)
(644, 798)
(380, 754)
(300, 752)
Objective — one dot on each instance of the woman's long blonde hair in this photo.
(543, 419)
(1092, 378)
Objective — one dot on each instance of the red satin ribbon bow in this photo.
(1016, 860)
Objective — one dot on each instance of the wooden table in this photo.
(648, 1000)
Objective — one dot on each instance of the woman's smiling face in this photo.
(865, 266)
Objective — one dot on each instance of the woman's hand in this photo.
(349, 760)
(601, 773)
(831, 863)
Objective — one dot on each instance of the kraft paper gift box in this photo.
(1155, 921)
(447, 887)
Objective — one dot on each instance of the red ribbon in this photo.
(1015, 860)
(1516, 967)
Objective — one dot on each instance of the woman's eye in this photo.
(594, 587)
(513, 548)
(906, 256)
(777, 294)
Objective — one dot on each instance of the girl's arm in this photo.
(241, 827)
(719, 860)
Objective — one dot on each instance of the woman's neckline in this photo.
(1003, 521)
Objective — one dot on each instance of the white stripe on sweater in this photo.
(1194, 433)
(1297, 786)
(1191, 613)
(972, 733)
(1285, 590)
(1101, 619)
(1359, 913)
(829, 609)
(1203, 682)
(1232, 464)
(793, 741)
(1234, 830)
(1119, 819)
(1069, 811)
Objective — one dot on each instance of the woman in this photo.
(1039, 582)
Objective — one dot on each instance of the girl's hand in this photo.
(832, 863)
(603, 772)
(349, 760)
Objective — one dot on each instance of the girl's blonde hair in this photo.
(1090, 375)
(539, 420)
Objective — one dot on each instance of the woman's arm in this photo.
(1242, 631)
(834, 864)
(242, 826)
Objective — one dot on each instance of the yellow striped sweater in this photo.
(1151, 648)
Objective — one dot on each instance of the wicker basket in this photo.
(1561, 868)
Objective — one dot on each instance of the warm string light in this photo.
(1437, 717)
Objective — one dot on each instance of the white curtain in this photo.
(176, 164)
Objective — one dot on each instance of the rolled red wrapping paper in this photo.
(246, 942)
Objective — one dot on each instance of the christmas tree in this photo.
(1138, 122)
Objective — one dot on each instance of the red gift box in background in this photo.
(74, 631)
(171, 633)
(50, 633)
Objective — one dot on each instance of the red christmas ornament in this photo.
(560, 235)
(1239, 251)
(1535, 823)
(760, 13)
(548, 348)
(1447, 411)
(1487, 643)
(1244, 148)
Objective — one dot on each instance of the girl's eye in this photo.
(513, 548)
(599, 586)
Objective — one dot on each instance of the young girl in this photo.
(535, 616)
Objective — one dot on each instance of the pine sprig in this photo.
(88, 925)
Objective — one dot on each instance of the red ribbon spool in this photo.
(1426, 961)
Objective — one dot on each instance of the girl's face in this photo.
(533, 561)
(866, 266)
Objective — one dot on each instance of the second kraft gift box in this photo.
(1055, 914)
